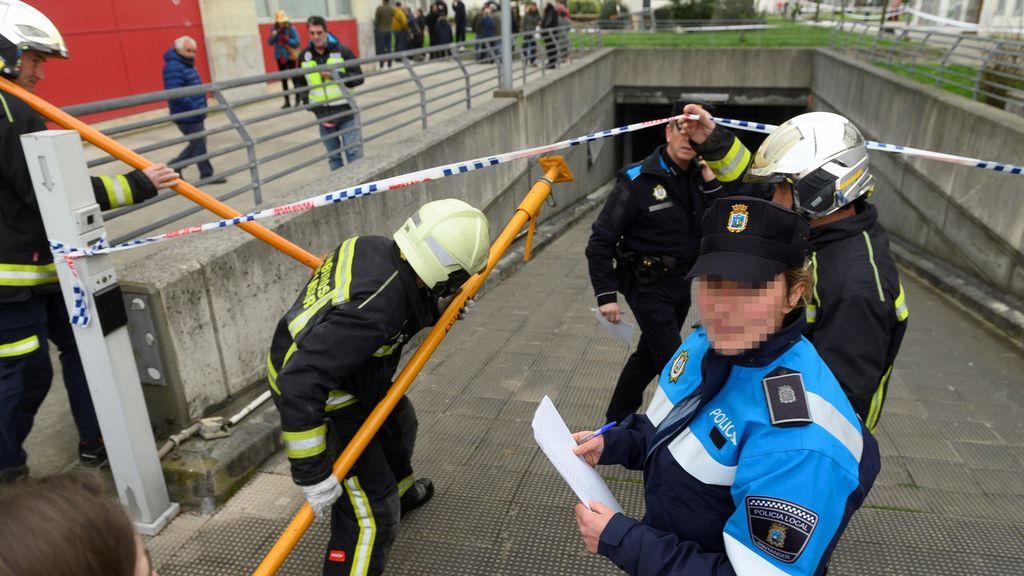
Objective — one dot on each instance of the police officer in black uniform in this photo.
(642, 245)
(32, 310)
(817, 165)
(332, 359)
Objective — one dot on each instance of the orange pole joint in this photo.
(555, 170)
(130, 157)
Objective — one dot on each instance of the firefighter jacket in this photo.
(654, 210)
(858, 313)
(340, 344)
(26, 264)
(753, 464)
(326, 96)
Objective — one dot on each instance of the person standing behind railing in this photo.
(328, 101)
(485, 31)
(32, 310)
(459, 8)
(531, 21)
(382, 20)
(179, 72)
(400, 28)
(421, 23)
(547, 25)
(285, 40)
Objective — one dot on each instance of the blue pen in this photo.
(603, 429)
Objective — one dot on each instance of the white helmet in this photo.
(822, 155)
(26, 28)
(445, 242)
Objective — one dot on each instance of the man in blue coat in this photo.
(180, 71)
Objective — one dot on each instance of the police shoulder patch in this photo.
(779, 528)
(787, 400)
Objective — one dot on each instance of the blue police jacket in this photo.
(753, 464)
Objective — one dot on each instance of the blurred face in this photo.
(739, 316)
(678, 139)
(188, 50)
(318, 35)
(31, 72)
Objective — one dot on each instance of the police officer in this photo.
(642, 245)
(817, 165)
(32, 310)
(332, 359)
(753, 458)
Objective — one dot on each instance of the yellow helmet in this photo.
(443, 238)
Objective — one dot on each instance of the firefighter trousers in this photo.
(364, 521)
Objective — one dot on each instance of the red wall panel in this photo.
(345, 30)
(116, 46)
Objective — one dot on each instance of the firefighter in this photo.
(32, 310)
(332, 359)
(817, 164)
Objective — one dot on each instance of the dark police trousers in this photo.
(25, 377)
(364, 520)
(660, 310)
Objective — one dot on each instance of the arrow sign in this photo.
(47, 182)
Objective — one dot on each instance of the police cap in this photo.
(750, 240)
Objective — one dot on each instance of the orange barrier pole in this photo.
(555, 170)
(119, 151)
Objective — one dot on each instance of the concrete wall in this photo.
(218, 296)
(234, 48)
(973, 219)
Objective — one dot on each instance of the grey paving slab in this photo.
(948, 500)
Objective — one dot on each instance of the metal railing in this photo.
(248, 135)
(986, 69)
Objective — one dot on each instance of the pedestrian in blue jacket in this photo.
(753, 458)
(179, 72)
(285, 40)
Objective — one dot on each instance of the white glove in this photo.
(322, 496)
(442, 305)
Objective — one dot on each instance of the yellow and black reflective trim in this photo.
(871, 257)
(7, 111)
(379, 290)
(343, 271)
(902, 311)
(367, 527)
(387, 349)
(27, 274)
(731, 166)
(405, 483)
(306, 443)
(19, 348)
(272, 376)
(119, 192)
(876, 402)
(338, 399)
(812, 307)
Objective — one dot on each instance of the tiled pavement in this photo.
(948, 500)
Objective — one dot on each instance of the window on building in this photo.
(344, 7)
(1018, 8)
(263, 9)
(299, 10)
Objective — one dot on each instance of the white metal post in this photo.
(72, 217)
(506, 44)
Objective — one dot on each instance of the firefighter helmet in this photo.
(824, 158)
(445, 241)
(22, 27)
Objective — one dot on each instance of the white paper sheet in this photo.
(622, 330)
(556, 441)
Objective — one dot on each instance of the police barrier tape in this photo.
(905, 150)
(69, 253)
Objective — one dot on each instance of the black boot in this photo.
(286, 104)
(417, 495)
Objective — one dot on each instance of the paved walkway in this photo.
(947, 502)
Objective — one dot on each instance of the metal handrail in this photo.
(244, 137)
(986, 69)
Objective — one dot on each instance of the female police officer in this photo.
(753, 458)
